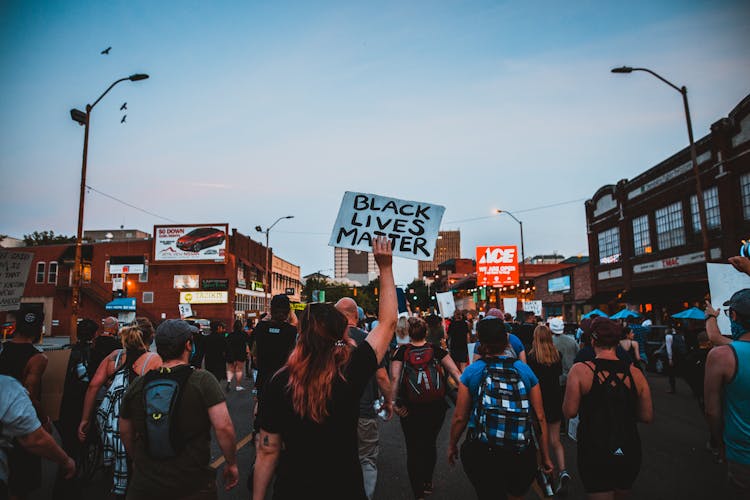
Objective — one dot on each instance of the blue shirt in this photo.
(17, 418)
(513, 342)
(472, 378)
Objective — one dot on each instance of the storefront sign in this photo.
(198, 242)
(680, 260)
(14, 270)
(411, 225)
(126, 268)
(497, 265)
(610, 273)
(215, 284)
(256, 285)
(561, 284)
(204, 297)
(289, 291)
(186, 281)
(117, 284)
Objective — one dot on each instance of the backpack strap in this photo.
(117, 359)
(145, 363)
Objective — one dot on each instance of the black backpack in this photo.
(162, 392)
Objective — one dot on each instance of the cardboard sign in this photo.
(723, 281)
(186, 311)
(446, 305)
(413, 226)
(497, 265)
(53, 382)
(534, 306)
(14, 270)
(510, 306)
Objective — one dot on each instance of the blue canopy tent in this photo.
(692, 313)
(121, 304)
(625, 314)
(596, 312)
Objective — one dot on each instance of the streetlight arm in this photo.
(678, 89)
(106, 91)
(279, 220)
(513, 216)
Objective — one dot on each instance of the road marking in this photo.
(240, 444)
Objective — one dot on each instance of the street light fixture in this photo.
(268, 257)
(693, 157)
(523, 253)
(84, 119)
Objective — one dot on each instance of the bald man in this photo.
(368, 420)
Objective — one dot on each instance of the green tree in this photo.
(46, 238)
(418, 296)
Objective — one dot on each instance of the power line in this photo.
(532, 209)
(130, 205)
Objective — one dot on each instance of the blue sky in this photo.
(258, 110)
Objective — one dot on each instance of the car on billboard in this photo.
(200, 238)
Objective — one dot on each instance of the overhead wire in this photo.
(130, 205)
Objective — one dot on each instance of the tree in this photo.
(417, 293)
(36, 238)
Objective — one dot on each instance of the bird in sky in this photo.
(123, 118)
(106, 51)
(124, 106)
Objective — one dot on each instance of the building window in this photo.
(641, 236)
(609, 246)
(86, 273)
(40, 272)
(745, 187)
(711, 202)
(143, 277)
(670, 228)
(107, 276)
(52, 273)
(148, 297)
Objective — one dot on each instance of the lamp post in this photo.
(268, 256)
(693, 157)
(84, 119)
(523, 253)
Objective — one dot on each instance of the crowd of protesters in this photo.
(322, 382)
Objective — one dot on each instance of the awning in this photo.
(121, 304)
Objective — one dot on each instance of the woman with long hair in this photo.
(610, 396)
(121, 367)
(630, 345)
(419, 385)
(496, 395)
(402, 331)
(311, 405)
(546, 362)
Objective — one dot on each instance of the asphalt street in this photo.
(676, 463)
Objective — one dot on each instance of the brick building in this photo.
(223, 289)
(565, 292)
(645, 234)
(447, 247)
(285, 277)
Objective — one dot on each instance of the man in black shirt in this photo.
(104, 344)
(525, 331)
(367, 426)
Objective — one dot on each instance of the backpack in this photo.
(422, 376)
(503, 412)
(679, 347)
(162, 393)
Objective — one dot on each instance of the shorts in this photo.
(604, 471)
(495, 472)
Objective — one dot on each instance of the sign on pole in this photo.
(446, 305)
(723, 281)
(14, 270)
(413, 226)
(534, 306)
(497, 265)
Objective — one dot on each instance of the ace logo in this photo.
(497, 265)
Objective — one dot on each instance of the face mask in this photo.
(737, 330)
(192, 351)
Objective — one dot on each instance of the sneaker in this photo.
(562, 484)
(239, 388)
(427, 488)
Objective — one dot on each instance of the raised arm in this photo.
(712, 327)
(380, 336)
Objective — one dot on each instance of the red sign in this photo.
(497, 266)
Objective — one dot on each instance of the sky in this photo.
(258, 110)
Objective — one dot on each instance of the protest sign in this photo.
(510, 306)
(53, 382)
(497, 265)
(723, 281)
(186, 310)
(14, 269)
(412, 225)
(534, 306)
(446, 305)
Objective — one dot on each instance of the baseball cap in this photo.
(29, 320)
(495, 313)
(280, 301)
(174, 331)
(740, 302)
(556, 325)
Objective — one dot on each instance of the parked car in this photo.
(200, 238)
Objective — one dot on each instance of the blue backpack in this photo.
(503, 412)
(162, 392)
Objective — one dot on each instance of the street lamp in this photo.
(84, 119)
(523, 253)
(268, 256)
(693, 157)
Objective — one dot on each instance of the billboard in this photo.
(561, 284)
(191, 243)
(497, 265)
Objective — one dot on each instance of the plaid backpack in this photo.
(422, 375)
(503, 412)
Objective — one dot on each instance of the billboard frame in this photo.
(156, 262)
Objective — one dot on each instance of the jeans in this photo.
(367, 430)
(421, 428)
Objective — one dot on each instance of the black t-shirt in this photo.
(102, 346)
(236, 347)
(457, 332)
(371, 392)
(274, 342)
(319, 460)
(525, 332)
(215, 347)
